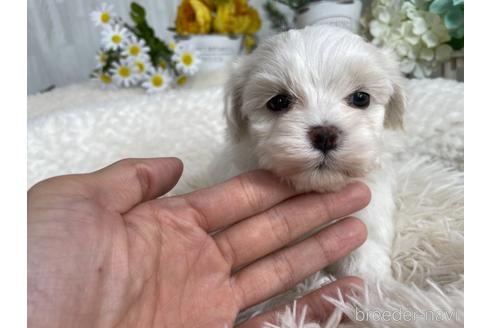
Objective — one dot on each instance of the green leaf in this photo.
(440, 6)
(158, 49)
(135, 18)
(457, 44)
(277, 18)
(137, 9)
(457, 33)
(458, 2)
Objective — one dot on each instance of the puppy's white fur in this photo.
(320, 67)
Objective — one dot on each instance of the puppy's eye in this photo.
(279, 103)
(359, 99)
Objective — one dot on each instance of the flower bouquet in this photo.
(423, 33)
(132, 55)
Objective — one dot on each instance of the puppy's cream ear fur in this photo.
(236, 122)
(393, 117)
(395, 109)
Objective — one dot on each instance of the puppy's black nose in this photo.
(324, 138)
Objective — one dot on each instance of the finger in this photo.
(237, 198)
(317, 308)
(282, 270)
(129, 182)
(266, 232)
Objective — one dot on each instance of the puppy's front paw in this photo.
(371, 262)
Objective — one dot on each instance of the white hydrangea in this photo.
(417, 36)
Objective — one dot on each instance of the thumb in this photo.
(129, 182)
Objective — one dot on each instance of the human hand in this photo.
(104, 251)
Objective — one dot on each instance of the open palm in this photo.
(104, 251)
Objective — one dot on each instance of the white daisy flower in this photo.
(187, 61)
(124, 73)
(101, 58)
(135, 48)
(114, 37)
(141, 67)
(104, 15)
(105, 80)
(157, 80)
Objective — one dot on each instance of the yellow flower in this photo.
(193, 17)
(210, 3)
(236, 17)
(249, 43)
(254, 21)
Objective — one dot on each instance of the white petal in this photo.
(402, 48)
(430, 39)
(419, 26)
(426, 54)
(406, 31)
(432, 19)
(406, 28)
(418, 72)
(441, 32)
(407, 65)
(382, 14)
(409, 10)
(414, 51)
(378, 29)
(412, 39)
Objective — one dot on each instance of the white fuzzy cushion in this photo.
(81, 128)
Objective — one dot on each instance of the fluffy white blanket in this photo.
(81, 128)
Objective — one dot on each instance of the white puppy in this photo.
(313, 106)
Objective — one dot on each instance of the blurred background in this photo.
(63, 37)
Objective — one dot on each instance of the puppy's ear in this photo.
(393, 117)
(236, 122)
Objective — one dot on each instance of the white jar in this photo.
(216, 51)
(341, 13)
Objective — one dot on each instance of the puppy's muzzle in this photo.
(324, 138)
